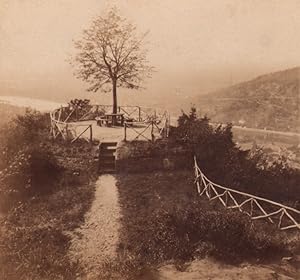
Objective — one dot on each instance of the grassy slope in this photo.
(146, 200)
(33, 236)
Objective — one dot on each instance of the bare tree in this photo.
(110, 55)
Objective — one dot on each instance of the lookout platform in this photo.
(115, 133)
(73, 123)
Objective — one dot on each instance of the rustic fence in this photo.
(68, 130)
(130, 112)
(256, 207)
(147, 123)
(153, 127)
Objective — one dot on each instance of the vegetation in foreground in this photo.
(164, 220)
(226, 164)
(45, 191)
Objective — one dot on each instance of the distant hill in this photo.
(270, 101)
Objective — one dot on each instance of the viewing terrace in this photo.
(96, 122)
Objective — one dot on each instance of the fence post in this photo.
(60, 113)
(125, 132)
(51, 126)
(169, 123)
(139, 114)
(91, 133)
(67, 132)
(152, 134)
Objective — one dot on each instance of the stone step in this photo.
(107, 170)
(107, 164)
(113, 149)
(106, 153)
(108, 144)
(107, 157)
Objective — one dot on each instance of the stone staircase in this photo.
(107, 157)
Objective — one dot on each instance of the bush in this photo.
(26, 168)
(227, 236)
(225, 163)
(175, 224)
(23, 131)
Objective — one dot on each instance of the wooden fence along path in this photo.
(256, 207)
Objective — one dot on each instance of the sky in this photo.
(196, 46)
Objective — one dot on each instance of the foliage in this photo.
(226, 235)
(110, 54)
(26, 167)
(79, 103)
(76, 109)
(174, 224)
(41, 203)
(34, 238)
(225, 163)
(22, 132)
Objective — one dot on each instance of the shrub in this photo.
(26, 168)
(225, 163)
(23, 131)
(31, 171)
(229, 236)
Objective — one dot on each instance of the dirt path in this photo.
(95, 242)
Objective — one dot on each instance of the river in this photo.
(33, 103)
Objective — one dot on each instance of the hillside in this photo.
(270, 101)
(7, 112)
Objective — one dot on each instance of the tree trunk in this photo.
(115, 103)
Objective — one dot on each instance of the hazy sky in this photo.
(195, 45)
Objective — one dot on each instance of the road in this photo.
(266, 131)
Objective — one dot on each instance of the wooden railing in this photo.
(66, 122)
(256, 207)
(135, 113)
(154, 127)
(69, 130)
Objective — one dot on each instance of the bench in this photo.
(101, 120)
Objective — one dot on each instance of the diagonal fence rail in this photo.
(154, 127)
(130, 112)
(256, 207)
(69, 122)
(68, 130)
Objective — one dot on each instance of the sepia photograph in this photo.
(149, 140)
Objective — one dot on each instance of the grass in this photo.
(34, 238)
(163, 219)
